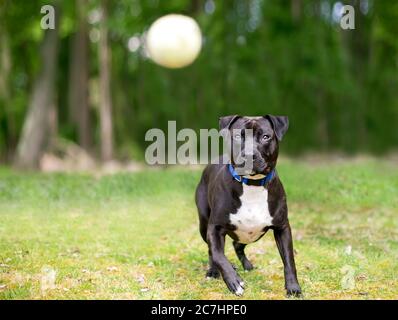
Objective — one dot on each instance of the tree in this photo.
(105, 86)
(35, 130)
(79, 78)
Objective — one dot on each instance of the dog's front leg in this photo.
(283, 238)
(216, 242)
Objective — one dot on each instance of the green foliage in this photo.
(338, 87)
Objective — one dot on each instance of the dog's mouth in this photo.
(257, 169)
(257, 173)
(261, 168)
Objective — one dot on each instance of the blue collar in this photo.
(251, 182)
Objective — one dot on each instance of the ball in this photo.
(174, 41)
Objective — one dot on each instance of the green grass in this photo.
(135, 236)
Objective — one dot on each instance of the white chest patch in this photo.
(253, 215)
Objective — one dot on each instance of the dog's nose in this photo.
(250, 155)
(250, 158)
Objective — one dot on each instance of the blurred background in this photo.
(89, 90)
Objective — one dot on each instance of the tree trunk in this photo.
(195, 6)
(296, 10)
(35, 130)
(78, 80)
(105, 88)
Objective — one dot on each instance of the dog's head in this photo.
(253, 142)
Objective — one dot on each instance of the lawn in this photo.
(135, 235)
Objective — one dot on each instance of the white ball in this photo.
(174, 41)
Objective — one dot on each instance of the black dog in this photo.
(246, 206)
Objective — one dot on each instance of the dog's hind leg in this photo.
(240, 252)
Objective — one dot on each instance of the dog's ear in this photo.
(227, 121)
(280, 125)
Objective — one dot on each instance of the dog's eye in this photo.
(238, 136)
(266, 137)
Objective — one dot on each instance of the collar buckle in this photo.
(241, 179)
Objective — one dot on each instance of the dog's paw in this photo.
(239, 291)
(212, 273)
(235, 285)
(293, 290)
(247, 265)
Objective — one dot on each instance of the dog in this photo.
(245, 205)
